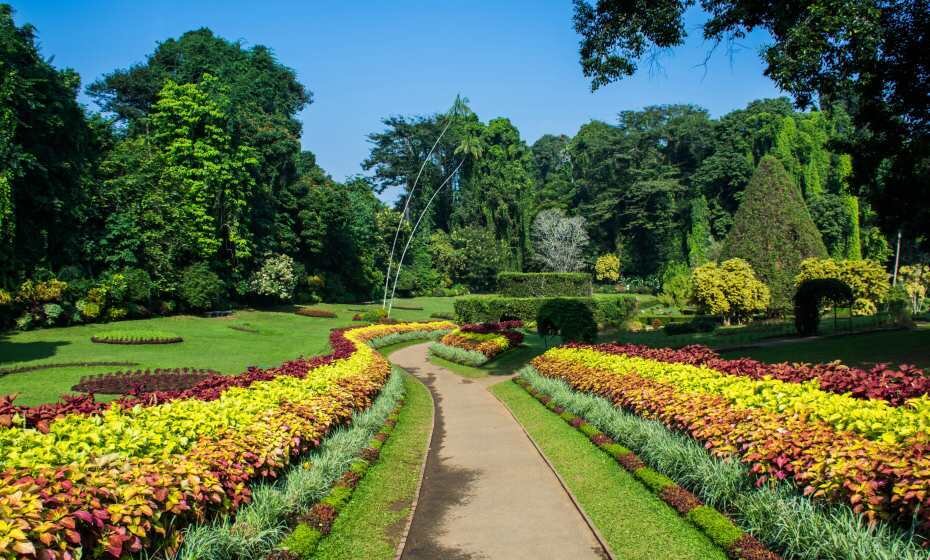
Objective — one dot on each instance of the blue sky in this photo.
(367, 60)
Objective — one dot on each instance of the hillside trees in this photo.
(49, 150)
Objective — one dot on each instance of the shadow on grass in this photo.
(12, 352)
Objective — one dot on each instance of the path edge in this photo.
(594, 530)
(402, 544)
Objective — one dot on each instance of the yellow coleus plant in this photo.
(874, 419)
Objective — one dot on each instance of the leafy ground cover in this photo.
(127, 479)
(631, 519)
(371, 525)
(475, 344)
(506, 363)
(869, 454)
(272, 338)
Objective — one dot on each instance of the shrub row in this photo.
(774, 512)
(458, 355)
(140, 337)
(607, 310)
(262, 525)
(38, 367)
(738, 544)
(865, 453)
(541, 284)
(303, 542)
(142, 381)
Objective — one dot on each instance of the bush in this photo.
(607, 268)
(277, 278)
(899, 307)
(482, 309)
(200, 289)
(730, 290)
(538, 284)
(139, 286)
(676, 286)
(867, 280)
(809, 299)
(569, 318)
(375, 315)
(615, 311)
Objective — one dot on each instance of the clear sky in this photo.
(364, 61)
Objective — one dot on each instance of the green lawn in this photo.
(372, 524)
(912, 347)
(635, 523)
(506, 363)
(208, 343)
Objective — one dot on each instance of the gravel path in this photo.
(487, 493)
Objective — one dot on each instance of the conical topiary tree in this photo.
(773, 231)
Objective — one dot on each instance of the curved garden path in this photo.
(487, 492)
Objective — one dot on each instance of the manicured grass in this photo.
(372, 523)
(208, 343)
(504, 364)
(635, 523)
(865, 350)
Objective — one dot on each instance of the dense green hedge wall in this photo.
(539, 284)
(611, 310)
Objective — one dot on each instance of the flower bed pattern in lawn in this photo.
(143, 381)
(866, 453)
(129, 475)
(477, 343)
(136, 337)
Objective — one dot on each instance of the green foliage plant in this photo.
(676, 286)
(568, 318)
(867, 280)
(200, 288)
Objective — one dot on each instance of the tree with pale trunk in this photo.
(559, 241)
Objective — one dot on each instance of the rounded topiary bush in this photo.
(571, 319)
(200, 288)
(136, 337)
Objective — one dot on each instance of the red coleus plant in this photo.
(880, 382)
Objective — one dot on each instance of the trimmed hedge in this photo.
(479, 309)
(540, 284)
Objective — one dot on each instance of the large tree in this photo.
(48, 156)
(866, 55)
(773, 231)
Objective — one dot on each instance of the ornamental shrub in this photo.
(277, 278)
(200, 288)
(539, 284)
(569, 318)
(773, 231)
(730, 290)
(914, 278)
(480, 309)
(809, 300)
(867, 280)
(676, 286)
(607, 268)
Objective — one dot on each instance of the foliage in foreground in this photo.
(775, 513)
(125, 476)
(837, 448)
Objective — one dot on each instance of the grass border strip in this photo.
(402, 544)
(305, 537)
(719, 528)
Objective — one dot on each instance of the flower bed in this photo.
(477, 343)
(143, 381)
(125, 476)
(315, 312)
(869, 454)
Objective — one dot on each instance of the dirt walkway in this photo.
(486, 493)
